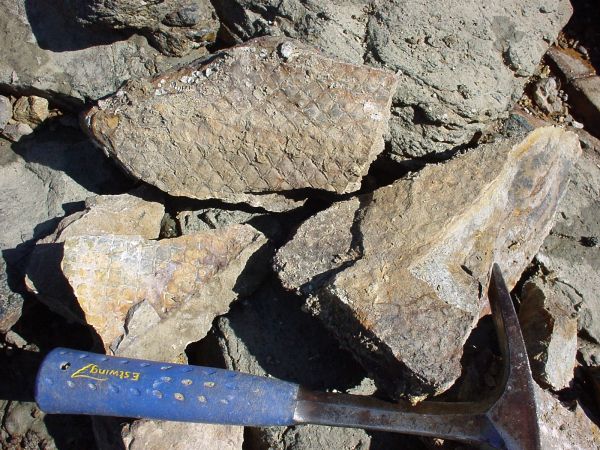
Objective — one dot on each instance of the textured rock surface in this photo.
(562, 427)
(136, 292)
(424, 247)
(31, 110)
(45, 51)
(549, 329)
(124, 214)
(569, 254)
(270, 115)
(173, 27)
(155, 435)
(462, 64)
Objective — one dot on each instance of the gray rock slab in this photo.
(549, 326)
(566, 253)
(272, 115)
(461, 64)
(173, 27)
(46, 52)
(425, 245)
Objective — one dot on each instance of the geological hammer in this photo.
(75, 382)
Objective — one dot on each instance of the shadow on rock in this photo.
(55, 27)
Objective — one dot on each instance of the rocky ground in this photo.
(309, 190)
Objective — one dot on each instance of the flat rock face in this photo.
(45, 49)
(173, 27)
(425, 245)
(549, 328)
(147, 289)
(462, 64)
(270, 115)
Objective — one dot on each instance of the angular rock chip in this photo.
(550, 332)
(151, 298)
(412, 285)
(462, 65)
(268, 116)
(5, 111)
(173, 27)
(11, 303)
(45, 51)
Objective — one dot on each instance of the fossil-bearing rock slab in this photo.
(412, 283)
(549, 328)
(174, 27)
(462, 64)
(148, 298)
(124, 214)
(268, 116)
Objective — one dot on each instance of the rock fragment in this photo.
(5, 111)
(135, 292)
(457, 75)
(562, 427)
(173, 27)
(47, 52)
(564, 256)
(124, 214)
(159, 435)
(11, 303)
(549, 329)
(249, 121)
(31, 110)
(16, 130)
(424, 247)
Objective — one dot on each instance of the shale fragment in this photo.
(270, 115)
(414, 283)
(151, 298)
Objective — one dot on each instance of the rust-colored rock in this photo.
(150, 299)
(408, 298)
(266, 116)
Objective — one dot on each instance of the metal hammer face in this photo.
(508, 420)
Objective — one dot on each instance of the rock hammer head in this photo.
(507, 420)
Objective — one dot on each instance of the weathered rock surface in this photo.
(135, 292)
(568, 254)
(243, 340)
(46, 52)
(42, 178)
(270, 115)
(159, 435)
(124, 214)
(31, 110)
(549, 327)
(5, 111)
(424, 246)
(14, 131)
(173, 27)
(462, 64)
(562, 427)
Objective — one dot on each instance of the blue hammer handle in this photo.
(75, 382)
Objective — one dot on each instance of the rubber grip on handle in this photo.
(75, 382)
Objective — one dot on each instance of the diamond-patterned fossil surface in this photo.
(267, 116)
